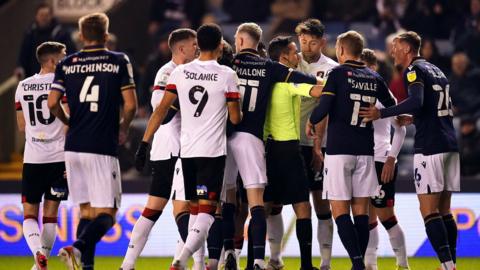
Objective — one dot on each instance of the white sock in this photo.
(138, 239)
(325, 239)
(237, 256)
(47, 237)
(397, 240)
(371, 253)
(275, 232)
(178, 248)
(259, 262)
(448, 265)
(222, 257)
(199, 258)
(212, 264)
(196, 236)
(31, 232)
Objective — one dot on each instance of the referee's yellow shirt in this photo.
(283, 112)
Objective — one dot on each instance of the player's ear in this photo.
(105, 37)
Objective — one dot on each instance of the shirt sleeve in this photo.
(126, 75)
(302, 89)
(281, 73)
(231, 91)
(398, 138)
(59, 79)
(384, 95)
(18, 105)
(160, 80)
(171, 85)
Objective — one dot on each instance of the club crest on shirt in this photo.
(411, 76)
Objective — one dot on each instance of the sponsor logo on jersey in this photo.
(411, 76)
(202, 190)
(58, 192)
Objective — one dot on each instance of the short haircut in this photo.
(209, 37)
(43, 5)
(277, 46)
(368, 57)
(412, 39)
(47, 49)
(353, 42)
(251, 29)
(94, 26)
(227, 55)
(312, 27)
(180, 35)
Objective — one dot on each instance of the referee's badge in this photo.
(411, 76)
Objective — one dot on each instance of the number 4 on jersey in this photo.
(91, 97)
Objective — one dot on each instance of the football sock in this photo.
(182, 220)
(371, 254)
(31, 232)
(348, 236)
(48, 235)
(397, 240)
(215, 240)
(228, 213)
(196, 236)
(139, 236)
(452, 232)
(437, 234)
(361, 226)
(275, 231)
(304, 236)
(325, 237)
(259, 232)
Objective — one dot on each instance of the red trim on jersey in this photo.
(171, 87)
(18, 106)
(232, 95)
(158, 87)
(207, 209)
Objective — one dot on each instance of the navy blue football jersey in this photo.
(257, 75)
(349, 87)
(433, 121)
(92, 80)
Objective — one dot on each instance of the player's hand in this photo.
(310, 130)
(388, 170)
(404, 120)
(369, 114)
(317, 156)
(122, 137)
(141, 156)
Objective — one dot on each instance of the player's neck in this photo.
(409, 59)
(92, 43)
(207, 56)
(44, 71)
(178, 60)
(311, 59)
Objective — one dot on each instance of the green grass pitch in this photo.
(113, 263)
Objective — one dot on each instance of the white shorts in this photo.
(245, 154)
(436, 173)
(94, 179)
(347, 177)
(178, 187)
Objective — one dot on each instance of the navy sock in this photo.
(259, 231)
(88, 254)
(348, 236)
(363, 232)
(215, 238)
(250, 259)
(228, 214)
(304, 236)
(452, 232)
(94, 232)
(437, 234)
(182, 224)
(81, 225)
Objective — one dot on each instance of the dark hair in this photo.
(262, 49)
(227, 55)
(312, 27)
(277, 46)
(94, 26)
(353, 42)
(43, 5)
(368, 57)
(48, 48)
(180, 35)
(209, 37)
(412, 39)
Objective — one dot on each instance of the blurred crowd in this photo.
(450, 30)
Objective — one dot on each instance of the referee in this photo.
(287, 181)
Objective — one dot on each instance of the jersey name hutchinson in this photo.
(90, 68)
(200, 76)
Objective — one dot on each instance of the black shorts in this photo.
(287, 179)
(47, 179)
(162, 177)
(203, 177)
(387, 191)
(315, 179)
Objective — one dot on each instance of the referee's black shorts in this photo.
(315, 179)
(287, 179)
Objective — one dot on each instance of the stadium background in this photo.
(451, 32)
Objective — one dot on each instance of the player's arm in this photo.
(160, 113)
(327, 100)
(388, 169)
(54, 104)
(282, 73)
(172, 111)
(306, 90)
(20, 121)
(317, 154)
(129, 108)
(232, 95)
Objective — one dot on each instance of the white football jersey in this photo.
(44, 133)
(385, 146)
(166, 141)
(321, 68)
(203, 88)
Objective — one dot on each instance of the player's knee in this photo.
(389, 223)
(207, 208)
(276, 210)
(302, 210)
